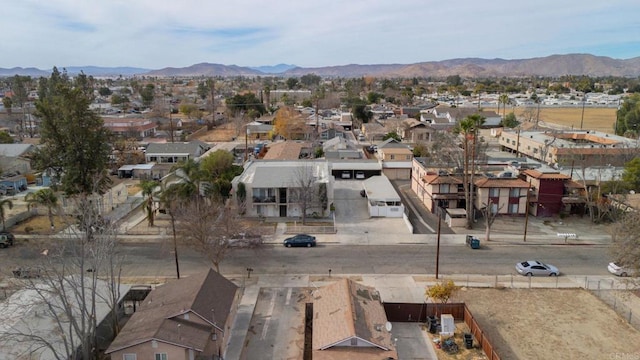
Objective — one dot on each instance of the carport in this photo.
(382, 198)
(358, 169)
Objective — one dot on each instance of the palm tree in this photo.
(504, 100)
(191, 174)
(148, 189)
(2, 213)
(45, 197)
(468, 128)
(169, 198)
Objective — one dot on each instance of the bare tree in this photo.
(626, 240)
(489, 211)
(75, 286)
(306, 191)
(214, 229)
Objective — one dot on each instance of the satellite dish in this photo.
(388, 326)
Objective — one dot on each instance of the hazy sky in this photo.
(159, 33)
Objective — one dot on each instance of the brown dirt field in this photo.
(40, 225)
(600, 119)
(225, 132)
(551, 324)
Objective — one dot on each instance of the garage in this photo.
(382, 198)
(355, 170)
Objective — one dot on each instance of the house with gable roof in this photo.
(349, 322)
(186, 318)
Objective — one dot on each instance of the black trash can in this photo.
(432, 322)
(468, 341)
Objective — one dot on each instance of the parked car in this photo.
(27, 273)
(536, 268)
(6, 239)
(620, 270)
(300, 240)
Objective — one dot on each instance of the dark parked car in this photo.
(300, 240)
(6, 239)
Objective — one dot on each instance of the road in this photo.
(157, 259)
(154, 260)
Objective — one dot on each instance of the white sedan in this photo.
(536, 268)
(618, 270)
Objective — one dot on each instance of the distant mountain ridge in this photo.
(554, 65)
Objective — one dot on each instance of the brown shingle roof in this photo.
(435, 179)
(287, 150)
(540, 175)
(345, 310)
(501, 183)
(160, 317)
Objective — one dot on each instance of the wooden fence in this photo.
(478, 334)
(405, 312)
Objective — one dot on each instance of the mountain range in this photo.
(554, 65)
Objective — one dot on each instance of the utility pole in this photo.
(584, 99)
(438, 241)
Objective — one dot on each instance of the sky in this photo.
(155, 34)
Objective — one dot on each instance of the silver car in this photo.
(536, 268)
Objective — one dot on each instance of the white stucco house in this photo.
(282, 188)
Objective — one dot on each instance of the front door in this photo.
(283, 210)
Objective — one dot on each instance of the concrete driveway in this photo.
(352, 214)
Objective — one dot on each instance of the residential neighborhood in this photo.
(182, 229)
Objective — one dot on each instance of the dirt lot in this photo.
(600, 119)
(551, 324)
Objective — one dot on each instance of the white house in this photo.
(282, 188)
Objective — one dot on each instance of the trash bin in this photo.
(432, 323)
(472, 242)
(468, 341)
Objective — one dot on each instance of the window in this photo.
(444, 188)
(161, 356)
(129, 357)
(515, 192)
(513, 208)
(392, 157)
(494, 192)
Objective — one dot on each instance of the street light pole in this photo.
(584, 99)
(438, 241)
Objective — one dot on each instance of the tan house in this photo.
(396, 159)
(185, 319)
(349, 322)
(505, 196)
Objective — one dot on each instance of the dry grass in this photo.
(600, 119)
(40, 225)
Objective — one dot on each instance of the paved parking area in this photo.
(276, 330)
(352, 214)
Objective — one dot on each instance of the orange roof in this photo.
(435, 179)
(540, 175)
(501, 183)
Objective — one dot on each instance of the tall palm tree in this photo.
(504, 100)
(468, 128)
(148, 190)
(170, 198)
(45, 197)
(8, 203)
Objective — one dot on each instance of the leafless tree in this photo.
(214, 229)
(490, 213)
(75, 285)
(626, 240)
(306, 191)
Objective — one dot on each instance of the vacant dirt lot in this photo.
(600, 119)
(551, 324)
